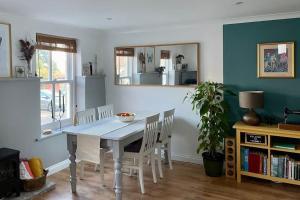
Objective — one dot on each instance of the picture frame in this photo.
(20, 72)
(86, 70)
(150, 57)
(276, 60)
(5, 50)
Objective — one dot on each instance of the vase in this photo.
(29, 69)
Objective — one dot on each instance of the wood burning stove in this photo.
(9, 172)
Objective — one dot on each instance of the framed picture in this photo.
(5, 50)
(276, 60)
(86, 70)
(149, 56)
(20, 72)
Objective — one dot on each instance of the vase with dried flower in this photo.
(28, 50)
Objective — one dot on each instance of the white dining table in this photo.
(112, 134)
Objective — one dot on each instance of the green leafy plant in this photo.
(208, 101)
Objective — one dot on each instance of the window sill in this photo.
(53, 134)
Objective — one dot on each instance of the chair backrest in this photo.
(105, 111)
(168, 120)
(150, 134)
(86, 116)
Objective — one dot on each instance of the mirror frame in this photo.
(155, 45)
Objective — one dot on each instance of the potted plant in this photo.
(208, 101)
(27, 50)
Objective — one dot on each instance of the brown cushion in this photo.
(134, 147)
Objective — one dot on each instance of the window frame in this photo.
(70, 79)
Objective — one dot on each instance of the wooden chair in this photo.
(105, 111)
(164, 139)
(88, 148)
(137, 151)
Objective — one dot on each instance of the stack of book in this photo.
(253, 161)
(285, 167)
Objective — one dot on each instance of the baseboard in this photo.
(185, 158)
(58, 167)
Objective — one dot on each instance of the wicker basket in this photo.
(35, 184)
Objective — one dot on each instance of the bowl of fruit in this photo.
(126, 116)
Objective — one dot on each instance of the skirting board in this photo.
(185, 158)
(65, 164)
(58, 167)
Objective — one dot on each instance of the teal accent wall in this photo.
(240, 64)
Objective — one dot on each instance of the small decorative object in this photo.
(91, 68)
(20, 72)
(61, 107)
(126, 116)
(86, 70)
(251, 100)
(256, 139)
(160, 70)
(289, 126)
(276, 60)
(142, 60)
(28, 50)
(208, 101)
(230, 157)
(179, 59)
(5, 50)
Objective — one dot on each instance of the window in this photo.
(56, 70)
(124, 64)
(55, 66)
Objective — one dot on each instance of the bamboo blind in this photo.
(56, 43)
(125, 52)
(164, 54)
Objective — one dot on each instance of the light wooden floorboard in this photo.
(185, 182)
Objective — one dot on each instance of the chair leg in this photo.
(81, 174)
(141, 176)
(153, 168)
(159, 161)
(169, 155)
(102, 161)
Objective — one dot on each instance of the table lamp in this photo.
(251, 100)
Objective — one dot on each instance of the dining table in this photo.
(113, 134)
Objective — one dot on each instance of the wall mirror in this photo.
(165, 65)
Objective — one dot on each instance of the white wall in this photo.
(20, 126)
(130, 98)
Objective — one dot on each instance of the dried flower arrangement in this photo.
(28, 50)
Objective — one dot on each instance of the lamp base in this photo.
(251, 118)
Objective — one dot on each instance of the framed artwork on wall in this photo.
(5, 50)
(276, 60)
(149, 56)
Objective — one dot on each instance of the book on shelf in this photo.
(253, 161)
(285, 167)
(288, 146)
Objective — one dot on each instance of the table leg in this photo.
(72, 146)
(117, 155)
(166, 161)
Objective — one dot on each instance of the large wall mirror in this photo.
(165, 65)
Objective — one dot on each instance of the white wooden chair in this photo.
(164, 139)
(88, 148)
(105, 111)
(137, 151)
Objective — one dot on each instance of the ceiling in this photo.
(142, 13)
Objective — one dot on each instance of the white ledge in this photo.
(20, 79)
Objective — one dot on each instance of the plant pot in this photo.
(213, 166)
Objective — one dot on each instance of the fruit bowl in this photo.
(126, 116)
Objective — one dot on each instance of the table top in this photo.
(111, 128)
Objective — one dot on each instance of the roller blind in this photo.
(56, 43)
(125, 52)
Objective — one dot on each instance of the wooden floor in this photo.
(185, 182)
